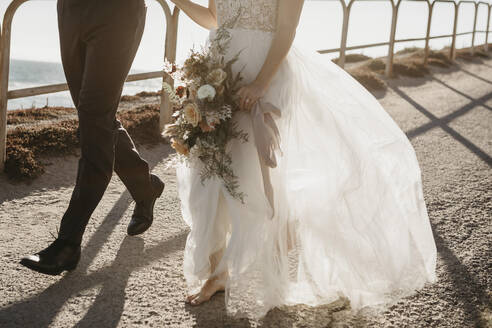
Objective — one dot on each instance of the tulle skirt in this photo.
(348, 217)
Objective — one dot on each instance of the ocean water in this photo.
(27, 74)
(36, 59)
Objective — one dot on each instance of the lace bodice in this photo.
(248, 14)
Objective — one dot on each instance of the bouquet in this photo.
(203, 106)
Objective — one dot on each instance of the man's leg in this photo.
(130, 167)
(110, 46)
(99, 40)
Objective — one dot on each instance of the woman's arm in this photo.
(289, 13)
(206, 17)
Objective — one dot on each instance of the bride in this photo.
(337, 210)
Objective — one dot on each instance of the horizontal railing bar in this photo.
(355, 47)
(54, 88)
(145, 76)
(42, 90)
(364, 46)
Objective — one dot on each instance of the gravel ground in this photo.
(132, 282)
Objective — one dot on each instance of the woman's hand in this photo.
(204, 16)
(250, 94)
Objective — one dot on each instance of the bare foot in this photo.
(209, 289)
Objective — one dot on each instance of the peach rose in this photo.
(216, 77)
(192, 114)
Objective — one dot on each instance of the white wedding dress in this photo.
(348, 217)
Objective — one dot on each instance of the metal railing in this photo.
(171, 43)
(395, 7)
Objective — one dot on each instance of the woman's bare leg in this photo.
(216, 283)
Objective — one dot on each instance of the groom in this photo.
(99, 40)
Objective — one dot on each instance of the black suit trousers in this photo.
(99, 40)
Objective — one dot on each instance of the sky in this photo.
(34, 33)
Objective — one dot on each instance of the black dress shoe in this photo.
(143, 215)
(58, 257)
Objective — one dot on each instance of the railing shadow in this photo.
(474, 101)
(465, 285)
(476, 76)
(443, 123)
(41, 309)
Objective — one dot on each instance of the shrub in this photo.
(409, 68)
(353, 58)
(464, 54)
(376, 65)
(408, 50)
(441, 56)
(129, 98)
(142, 123)
(369, 80)
(21, 164)
(25, 146)
(145, 94)
(22, 116)
(438, 63)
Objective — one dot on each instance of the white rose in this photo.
(206, 92)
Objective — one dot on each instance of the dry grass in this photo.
(145, 94)
(370, 80)
(127, 98)
(353, 58)
(413, 64)
(376, 65)
(439, 58)
(466, 54)
(22, 116)
(411, 67)
(27, 146)
(140, 95)
(408, 50)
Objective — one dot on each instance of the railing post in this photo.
(343, 43)
(452, 53)
(4, 75)
(427, 35)
(474, 30)
(488, 27)
(391, 48)
(169, 55)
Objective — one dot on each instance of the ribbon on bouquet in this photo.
(267, 135)
(267, 140)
